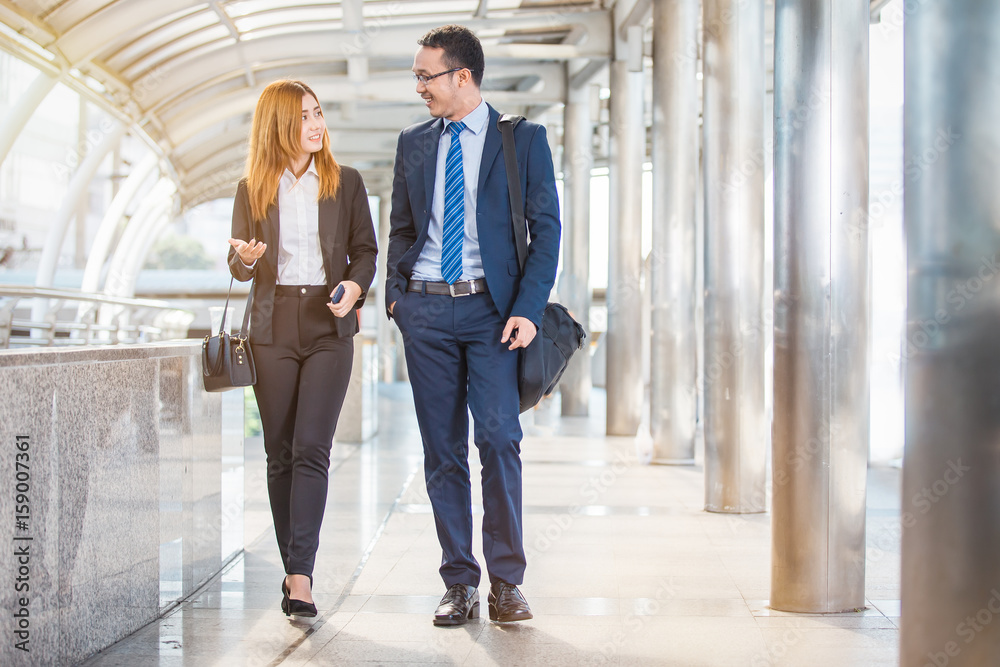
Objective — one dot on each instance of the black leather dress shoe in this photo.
(458, 605)
(507, 604)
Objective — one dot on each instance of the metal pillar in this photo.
(628, 148)
(574, 284)
(951, 466)
(673, 376)
(149, 233)
(109, 223)
(821, 306)
(735, 422)
(120, 281)
(77, 189)
(56, 235)
(83, 204)
(21, 112)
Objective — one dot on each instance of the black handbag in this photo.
(542, 363)
(226, 361)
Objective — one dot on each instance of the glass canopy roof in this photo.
(188, 73)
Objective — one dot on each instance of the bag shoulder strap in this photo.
(506, 124)
(246, 313)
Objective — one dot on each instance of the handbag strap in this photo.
(246, 313)
(507, 123)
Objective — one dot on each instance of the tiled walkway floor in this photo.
(624, 568)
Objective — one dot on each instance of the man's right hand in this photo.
(391, 306)
(248, 252)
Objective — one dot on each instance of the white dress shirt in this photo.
(300, 261)
(472, 138)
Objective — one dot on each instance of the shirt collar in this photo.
(288, 177)
(475, 120)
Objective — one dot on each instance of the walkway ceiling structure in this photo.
(187, 73)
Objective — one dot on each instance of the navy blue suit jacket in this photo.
(515, 295)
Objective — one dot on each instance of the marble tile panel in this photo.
(106, 426)
(96, 419)
(27, 409)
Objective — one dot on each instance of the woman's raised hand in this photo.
(248, 252)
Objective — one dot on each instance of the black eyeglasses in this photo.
(424, 78)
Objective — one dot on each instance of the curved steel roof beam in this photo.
(223, 182)
(95, 35)
(234, 142)
(173, 78)
(546, 79)
(187, 124)
(375, 144)
(234, 131)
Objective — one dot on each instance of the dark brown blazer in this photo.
(346, 239)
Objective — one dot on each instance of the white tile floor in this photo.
(624, 567)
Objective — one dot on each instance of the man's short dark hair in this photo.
(461, 49)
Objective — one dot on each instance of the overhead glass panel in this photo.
(215, 37)
(463, 9)
(287, 17)
(292, 28)
(67, 13)
(157, 38)
(247, 7)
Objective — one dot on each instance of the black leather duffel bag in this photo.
(543, 362)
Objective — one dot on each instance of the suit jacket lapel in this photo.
(272, 235)
(490, 148)
(329, 219)
(431, 139)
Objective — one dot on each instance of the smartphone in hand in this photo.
(338, 294)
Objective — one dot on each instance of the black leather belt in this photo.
(301, 290)
(461, 288)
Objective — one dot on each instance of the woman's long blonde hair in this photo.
(276, 139)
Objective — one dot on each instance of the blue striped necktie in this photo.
(454, 209)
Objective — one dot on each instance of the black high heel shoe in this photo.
(293, 607)
(284, 597)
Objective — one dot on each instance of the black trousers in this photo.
(302, 379)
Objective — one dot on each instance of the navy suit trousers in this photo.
(457, 364)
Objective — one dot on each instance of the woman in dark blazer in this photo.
(303, 231)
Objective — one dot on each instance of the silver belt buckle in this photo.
(472, 288)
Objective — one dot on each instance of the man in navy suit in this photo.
(456, 291)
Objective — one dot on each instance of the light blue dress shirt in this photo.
(473, 137)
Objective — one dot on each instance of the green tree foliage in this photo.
(174, 252)
(251, 418)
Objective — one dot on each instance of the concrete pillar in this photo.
(951, 466)
(821, 305)
(574, 283)
(673, 376)
(624, 335)
(735, 421)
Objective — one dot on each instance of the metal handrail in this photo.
(100, 319)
